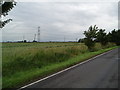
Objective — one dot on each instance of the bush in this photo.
(75, 50)
(109, 44)
(97, 46)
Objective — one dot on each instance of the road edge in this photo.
(66, 69)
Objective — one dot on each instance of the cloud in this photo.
(59, 20)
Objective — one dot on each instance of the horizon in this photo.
(58, 20)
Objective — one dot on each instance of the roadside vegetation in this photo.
(22, 64)
(95, 34)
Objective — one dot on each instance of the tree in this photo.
(81, 40)
(115, 36)
(118, 37)
(90, 36)
(101, 37)
(5, 7)
(109, 37)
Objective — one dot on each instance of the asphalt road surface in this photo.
(101, 72)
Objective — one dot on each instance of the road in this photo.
(101, 72)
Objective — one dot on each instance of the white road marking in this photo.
(63, 70)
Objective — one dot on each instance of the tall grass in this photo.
(37, 58)
(19, 61)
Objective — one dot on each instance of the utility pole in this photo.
(39, 34)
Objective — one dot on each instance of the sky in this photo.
(58, 21)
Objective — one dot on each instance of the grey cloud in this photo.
(58, 19)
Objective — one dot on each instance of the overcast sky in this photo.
(59, 21)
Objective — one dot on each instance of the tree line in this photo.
(94, 34)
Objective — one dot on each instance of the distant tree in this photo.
(34, 41)
(81, 40)
(90, 36)
(5, 7)
(25, 41)
(101, 37)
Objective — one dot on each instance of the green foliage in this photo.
(27, 56)
(114, 36)
(97, 47)
(94, 35)
(90, 43)
(90, 35)
(6, 7)
(101, 37)
(109, 44)
(29, 61)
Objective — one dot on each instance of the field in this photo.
(24, 56)
(25, 62)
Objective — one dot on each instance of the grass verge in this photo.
(22, 78)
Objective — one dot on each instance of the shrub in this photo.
(109, 44)
(97, 46)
